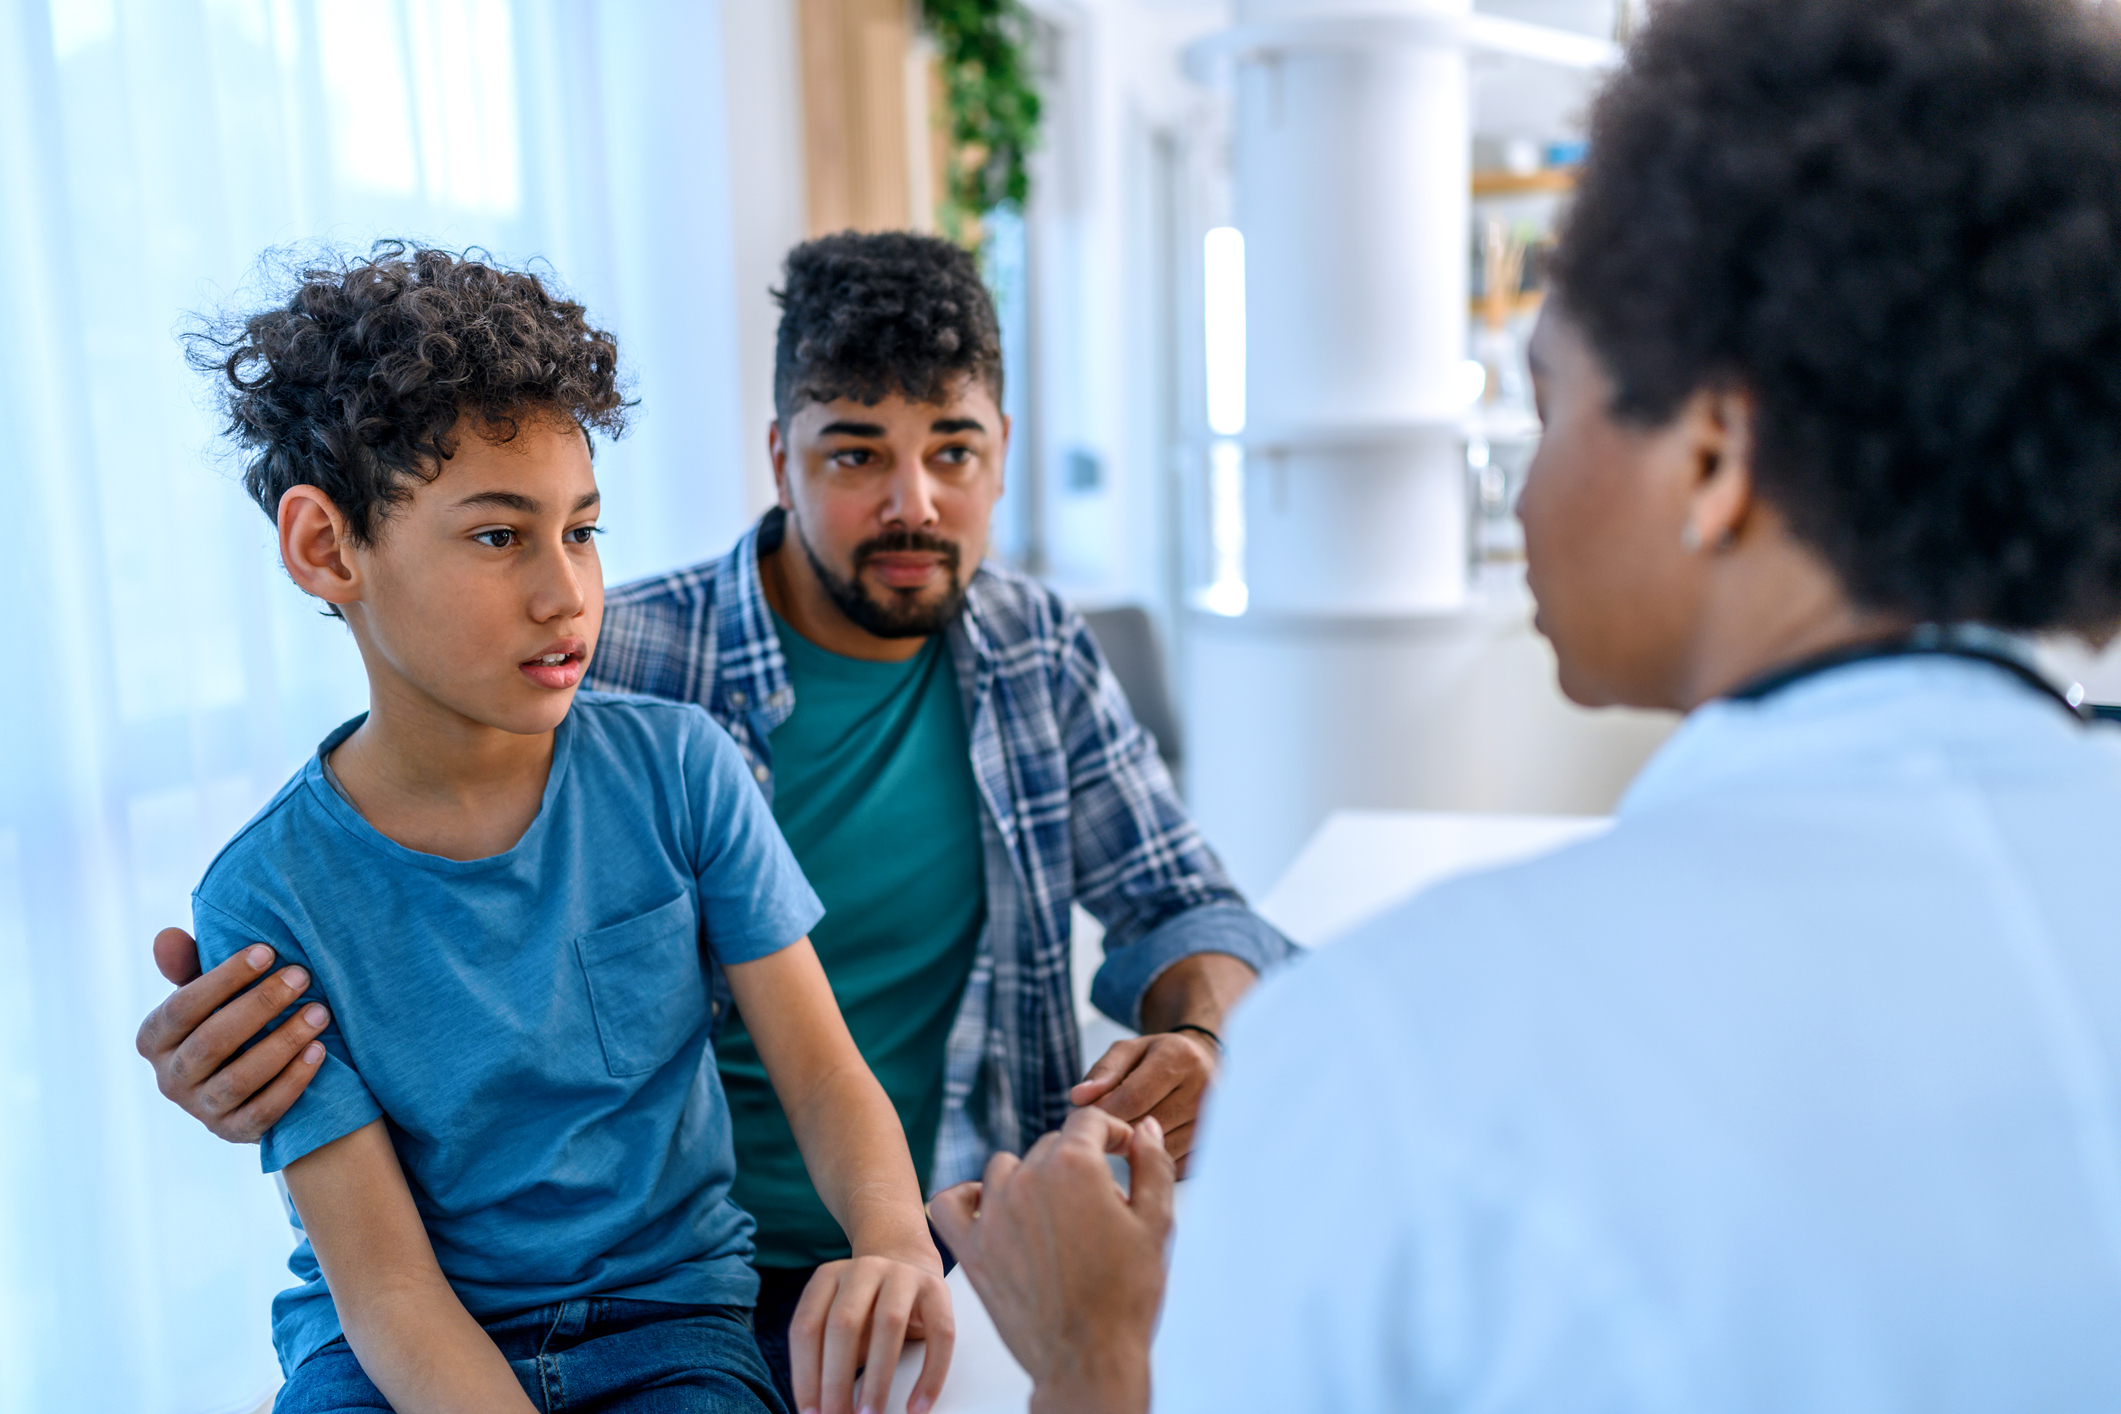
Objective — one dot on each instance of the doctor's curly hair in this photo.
(1897, 225)
(867, 315)
(358, 381)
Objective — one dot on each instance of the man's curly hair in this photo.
(1897, 225)
(864, 316)
(357, 383)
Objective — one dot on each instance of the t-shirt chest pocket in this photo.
(647, 985)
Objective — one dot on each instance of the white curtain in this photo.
(166, 677)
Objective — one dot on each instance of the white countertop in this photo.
(984, 1377)
(1362, 862)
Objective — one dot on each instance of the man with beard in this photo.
(943, 747)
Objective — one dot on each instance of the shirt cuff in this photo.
(334, 1106)
(1127, 973)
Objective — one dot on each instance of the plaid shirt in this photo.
(1077, 809)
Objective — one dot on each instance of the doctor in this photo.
(1798, 1089)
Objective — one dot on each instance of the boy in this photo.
(512, 1168)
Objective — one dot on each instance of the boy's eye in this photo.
(954, 456)
(583, 534)
(854, 456)
(498, 539)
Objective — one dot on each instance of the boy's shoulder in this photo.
(259, 849)
(637, 714)
(637, 730)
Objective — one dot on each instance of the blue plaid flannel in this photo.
(1078, 809)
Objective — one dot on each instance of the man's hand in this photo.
(191, 1036)
(1159, 1077)
(1166, 1073)
(1070, 1268)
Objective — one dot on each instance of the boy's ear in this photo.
(314, 545)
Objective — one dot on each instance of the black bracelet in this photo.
(1189, 1026)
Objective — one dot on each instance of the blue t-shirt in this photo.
(534, 1026)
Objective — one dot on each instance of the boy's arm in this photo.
(414, 1339)
(861, 1311)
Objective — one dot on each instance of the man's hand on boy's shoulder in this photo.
(192, 1039)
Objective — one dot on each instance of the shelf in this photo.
(1522, 304)
(1547, 181)
(1349, 436)
(1208, 58)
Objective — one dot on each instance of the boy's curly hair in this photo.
(864, 316)
(1897, 224)
(357, 383)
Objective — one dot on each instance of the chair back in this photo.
(1128, 640)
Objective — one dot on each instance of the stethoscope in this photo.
(1970, 641)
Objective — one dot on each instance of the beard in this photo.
(898, 613)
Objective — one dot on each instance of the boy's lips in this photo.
(559, 666)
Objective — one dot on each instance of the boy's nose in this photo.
(560, 593)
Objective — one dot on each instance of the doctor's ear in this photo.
(1721, 424)
(314, 546)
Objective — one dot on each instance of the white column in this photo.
(1360, 675)
(1351, 181)
(1351, 188)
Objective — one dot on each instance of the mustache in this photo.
(900, 542)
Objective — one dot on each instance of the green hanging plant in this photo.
(984, 49)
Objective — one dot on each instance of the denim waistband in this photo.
(583, 1313)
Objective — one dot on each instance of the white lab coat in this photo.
(1796, 1091)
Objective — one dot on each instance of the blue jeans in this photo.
(601, 1354)
(780, 1290)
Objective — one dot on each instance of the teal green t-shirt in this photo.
(873, 789)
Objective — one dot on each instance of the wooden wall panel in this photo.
(857, 112)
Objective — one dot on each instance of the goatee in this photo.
(900, 615)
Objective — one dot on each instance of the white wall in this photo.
(1103, 361)
(762, 77)
(1464, 704)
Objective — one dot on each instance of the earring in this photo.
(1690, 539)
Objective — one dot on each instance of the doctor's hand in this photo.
(1070, 1268)
(192, 1038)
